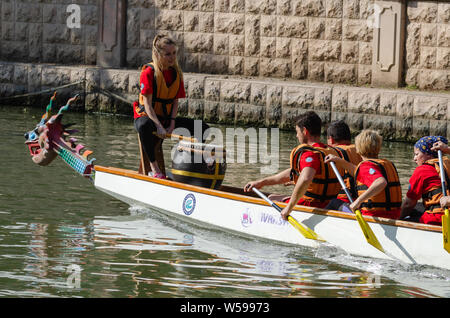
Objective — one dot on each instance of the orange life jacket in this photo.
(388, 199)
(162, 97)
(325, 185)
(431, 199)
(348, 153)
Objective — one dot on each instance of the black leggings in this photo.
(145, 127)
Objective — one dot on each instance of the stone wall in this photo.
(37, 31)
(316, 40)
(398, 114)
(427, 62)
(320, 40)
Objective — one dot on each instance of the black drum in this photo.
(199, 164)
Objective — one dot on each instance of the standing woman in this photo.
(155, 115)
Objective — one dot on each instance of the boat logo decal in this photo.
(246, 219)
(189, 204)
(273, 220)
(250, 218)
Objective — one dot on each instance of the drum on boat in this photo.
(199, 164)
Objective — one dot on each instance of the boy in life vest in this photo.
(315, 182)
(155, 115)
(377, 182)
(425, 183)
(339, 137)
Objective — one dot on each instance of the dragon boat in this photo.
(247, 214)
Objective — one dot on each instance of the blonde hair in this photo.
(368, 143)
(159, 42)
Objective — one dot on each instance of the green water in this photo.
(60, 237)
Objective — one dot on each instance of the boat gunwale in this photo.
(249, 199)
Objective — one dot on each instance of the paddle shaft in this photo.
(304, 230)
(367, 231)
(441, 167)
(341, 181)
(445, 218)
(180, 137)
(265, 198)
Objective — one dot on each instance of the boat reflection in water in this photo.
(199, 262)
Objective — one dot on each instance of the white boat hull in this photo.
(410, 243)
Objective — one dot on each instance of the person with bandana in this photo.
(425, 182)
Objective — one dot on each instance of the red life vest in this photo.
(163, 96)
(431, 199)
(325, 185)
(388, 200)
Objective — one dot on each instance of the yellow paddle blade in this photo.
(370, 236)
(306, 231)
(446, 230)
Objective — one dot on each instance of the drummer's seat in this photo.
(144, 163)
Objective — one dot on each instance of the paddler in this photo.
(425, 182)
(315, 181)
(340, 138)
(377, 182)
(155, 115)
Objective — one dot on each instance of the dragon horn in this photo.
(87, 153)
(49, 107)
(70, 101)
(78, 148)
(48, 110)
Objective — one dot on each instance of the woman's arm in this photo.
(408, 205)
(376, 187)
(161, 132)
(173, 116)
(441, 146)
(445, 201)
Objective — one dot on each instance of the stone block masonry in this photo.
(308, 39)
(330, 41)
(247, 62)
(428, 45)
(38, 31)
(398, 114)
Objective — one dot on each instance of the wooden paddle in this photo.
(368, 233)
(180, 137)
(304, 230)
(445, 217)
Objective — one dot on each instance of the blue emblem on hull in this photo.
(189, 204)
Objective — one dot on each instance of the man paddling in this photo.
(315, 182)
(339, 137)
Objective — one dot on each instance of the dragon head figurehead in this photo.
(48, 140)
